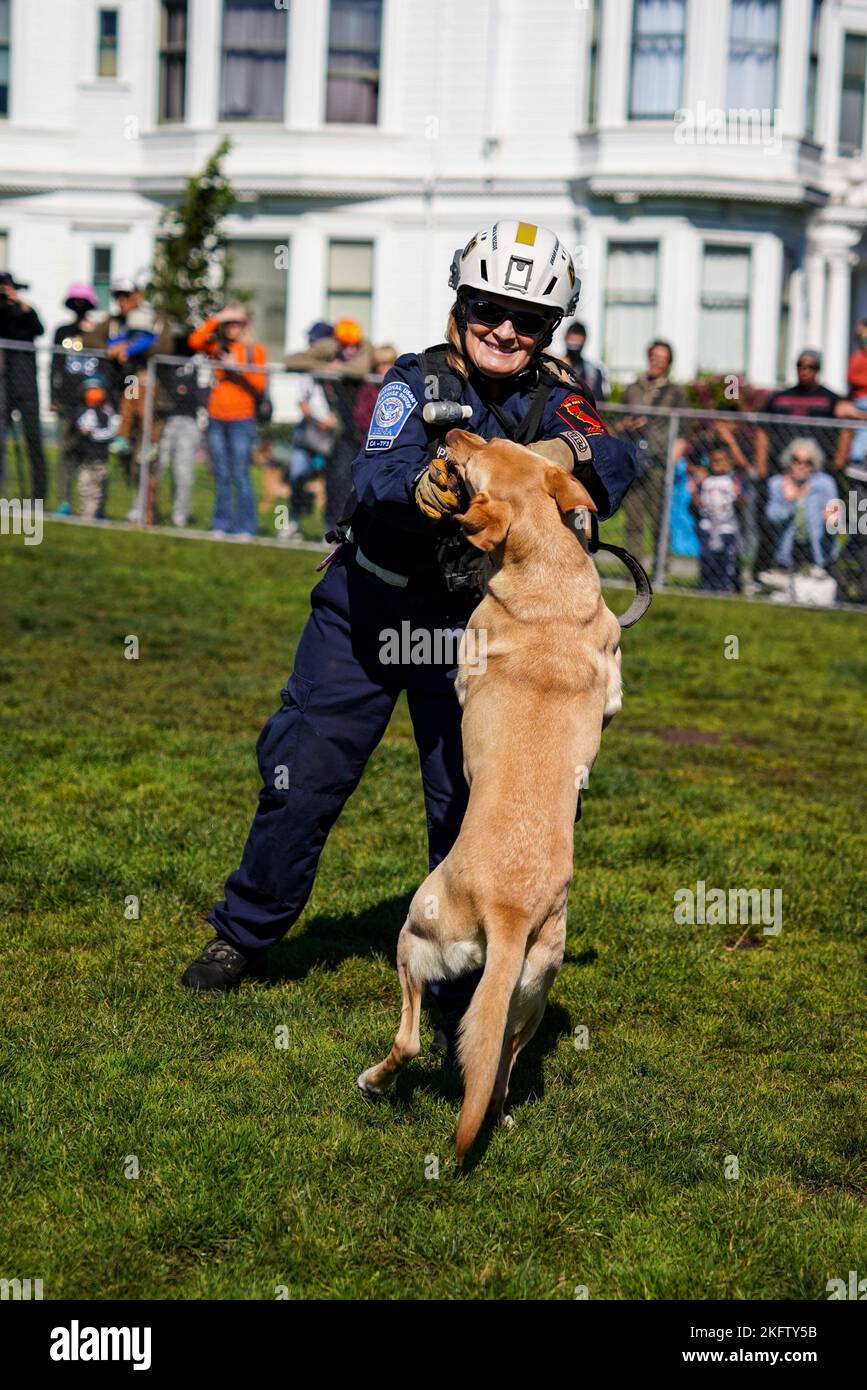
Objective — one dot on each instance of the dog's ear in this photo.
(567, 492)
(486, 521)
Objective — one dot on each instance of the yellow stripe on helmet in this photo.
(526, 234)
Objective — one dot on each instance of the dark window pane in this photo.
(354, 40)
(254, 61)
(173, 60)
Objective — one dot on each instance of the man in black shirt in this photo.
(20, 322)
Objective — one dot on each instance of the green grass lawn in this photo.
(260, 1166)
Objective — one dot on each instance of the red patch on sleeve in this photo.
(574, 410)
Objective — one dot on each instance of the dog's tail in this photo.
(483, 1030)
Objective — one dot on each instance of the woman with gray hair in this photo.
(797, 498)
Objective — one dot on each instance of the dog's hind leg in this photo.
(374, 1080)
(541, 968)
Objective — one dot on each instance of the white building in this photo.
(372, 137)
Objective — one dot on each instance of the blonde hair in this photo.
(455, 355)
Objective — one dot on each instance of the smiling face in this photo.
(499, 351)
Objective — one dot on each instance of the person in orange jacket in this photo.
(232, 410)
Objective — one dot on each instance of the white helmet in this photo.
(520, 260)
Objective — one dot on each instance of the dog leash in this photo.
(643, 587)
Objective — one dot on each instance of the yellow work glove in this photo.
(438, 490)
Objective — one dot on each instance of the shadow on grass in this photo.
(327, 941)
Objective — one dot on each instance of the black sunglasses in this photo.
(524, 321)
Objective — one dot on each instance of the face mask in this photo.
(574, 354)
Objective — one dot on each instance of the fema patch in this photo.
(394, 405)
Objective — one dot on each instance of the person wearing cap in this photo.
(20, 322)
(93, 431)
(405, 565)
(807, 399)
(348, 358)
(70, 366)
(315, 435)
(232, 409)
(132, 335)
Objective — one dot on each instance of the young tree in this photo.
(192, 267)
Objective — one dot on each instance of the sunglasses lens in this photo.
(525, 322)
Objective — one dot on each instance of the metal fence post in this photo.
(665, 515)
(146, 431)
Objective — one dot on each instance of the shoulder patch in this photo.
(394, 405)
(574, 410)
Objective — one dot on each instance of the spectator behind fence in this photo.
(851, 462)
(315, 435)
(348, 357)
(383, 358)
(797, 501)
(645, 497)
(130, 336)
(716, 501)
(70, 367)
(179, 400)
(20, 322)
(590, 373)
(93, 431)
(807, 399)
(232, 410)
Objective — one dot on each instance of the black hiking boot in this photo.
(220, 967)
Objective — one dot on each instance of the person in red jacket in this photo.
(232, 408)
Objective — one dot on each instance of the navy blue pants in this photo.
(312, 752)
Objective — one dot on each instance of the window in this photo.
(350, 281)
(813, 72)
(630, 304)
(785, 314)
(4, 251)
(259, 273)
(173, 60)
(5, 41)
(851, 139)
(101, 275)
(593, 67)
(725, 309)
(753, 45)
(658, 29)
(106, 59)
(254, 61)
(354, 40)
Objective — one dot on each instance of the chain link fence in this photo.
(726, 502)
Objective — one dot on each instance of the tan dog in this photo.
(532, 723)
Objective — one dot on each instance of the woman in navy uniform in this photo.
(404, 560)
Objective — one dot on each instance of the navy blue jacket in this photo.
(398, 449)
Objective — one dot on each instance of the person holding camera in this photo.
(238, 399)
(20, 322)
